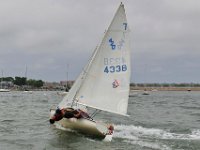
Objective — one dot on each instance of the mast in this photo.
(67, 78)
(26, 72)
(1, 78)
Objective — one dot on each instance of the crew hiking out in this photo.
(68, 113)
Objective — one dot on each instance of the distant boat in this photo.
(28, 91)
(27, 88)
(133, 94)
(145, 93)
(3, 89)
(104, 83)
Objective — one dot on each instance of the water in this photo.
(159, 121)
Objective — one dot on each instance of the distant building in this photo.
(6, 84)
(51, 85)
(57, 86)
(65, 83)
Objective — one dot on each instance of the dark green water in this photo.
(159, 121)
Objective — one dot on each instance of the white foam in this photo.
(135, 132)
(149, 145)
(151, 137)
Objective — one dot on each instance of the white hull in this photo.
(88, 127)
(133, 94)
(30, 92)
(4, 90)
(81, 125)
(145, 93)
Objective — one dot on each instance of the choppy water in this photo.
(159, 121)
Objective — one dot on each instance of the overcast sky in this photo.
(49, 35)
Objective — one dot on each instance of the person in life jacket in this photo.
(68, 113)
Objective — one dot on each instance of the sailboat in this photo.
(67, 85)
(3, 89)
(103, 84)
(27, 89)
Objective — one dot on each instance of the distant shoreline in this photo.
(165, 88)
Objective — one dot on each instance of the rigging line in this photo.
(95, 113)
(73, 102)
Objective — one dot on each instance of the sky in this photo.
(53, 38)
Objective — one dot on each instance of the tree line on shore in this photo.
(22, 81)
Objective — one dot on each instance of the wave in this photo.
(151, 137)
(135, 132)
(151, 145)
(8, 120)
(147, 137)
(132, 132)
(190, 107)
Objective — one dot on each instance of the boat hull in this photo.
(87, 127)
(82, 125)
(4, 90)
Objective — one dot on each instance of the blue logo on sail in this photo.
(112, 44)
(117, 46)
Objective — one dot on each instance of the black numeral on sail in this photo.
(125, 26)
(113, 69)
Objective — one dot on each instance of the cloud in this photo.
(46, 35)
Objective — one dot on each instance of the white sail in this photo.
(70, 97)
(67, 100)
(106, 83)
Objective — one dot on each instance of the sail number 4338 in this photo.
(113, 69)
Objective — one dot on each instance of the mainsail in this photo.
(104, 84)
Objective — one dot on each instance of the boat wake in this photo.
(149, 137)
(138, 131)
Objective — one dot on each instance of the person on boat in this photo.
(74, 113)
(68, 113)
(56, 117)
